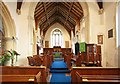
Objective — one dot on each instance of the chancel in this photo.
(59, 41)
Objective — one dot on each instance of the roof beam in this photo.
(71, 14)
(100, 4)
(68, 13)
(55, 15)
(39, 5)
(46, 13)
(39, 16)
(19, 4)
(60, 15)
(42, 25)
(78, 6)
(76, 12)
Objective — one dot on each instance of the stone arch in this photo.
(87, 16)
(8, 25)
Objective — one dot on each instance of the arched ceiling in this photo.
(65, 13)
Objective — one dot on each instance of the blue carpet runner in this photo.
(59, 70)
(60, 78)
(59, 66)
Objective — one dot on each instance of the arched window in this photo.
(56, 38)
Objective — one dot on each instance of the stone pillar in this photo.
(30, 35)
(78, 29)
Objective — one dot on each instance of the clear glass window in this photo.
(56, 38)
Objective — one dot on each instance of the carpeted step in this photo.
(59, 64)
(60, 71)
(68, 78)
(59, 67)
(60, 78)
(58, 59)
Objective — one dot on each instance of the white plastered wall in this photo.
(110, 21)
(97, 27)
(99, 24)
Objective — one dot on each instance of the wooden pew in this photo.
(47, 60)
(15, 79)
(38, 60)
(25, 73)
(95, 75)
(67, 59)
(97, 79)
(31, 61)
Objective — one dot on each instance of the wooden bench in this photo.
(22, 74)
(37, 60)
(28, 79)
(95, 75)
(67, 59)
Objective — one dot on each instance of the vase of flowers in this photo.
(4, 58)
(7, 55)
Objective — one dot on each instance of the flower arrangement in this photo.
(7, 55)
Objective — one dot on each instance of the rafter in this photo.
(65, 13)
(46, 13)
(68, 13)
(59, 19)
(39, 12)
(49, 4)
(78, 9)
(76, 12)
(61, 6)
(48, 10)
(60, 15)
(77, 5)
(39, 5)
(42, 26)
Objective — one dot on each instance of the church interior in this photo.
(59, 41)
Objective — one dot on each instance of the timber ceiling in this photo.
(65, 13)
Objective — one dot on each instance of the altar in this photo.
(57, 54)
